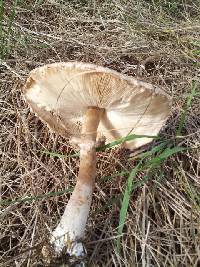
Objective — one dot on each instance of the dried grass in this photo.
(151, 40)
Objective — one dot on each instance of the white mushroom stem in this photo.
(66, 237)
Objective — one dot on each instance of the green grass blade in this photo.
(51, 194)
(1, 17)
(12, 16)
(186, 107)
(124, 139)
(165, 154)
(33, 198)
(125, 202)
(102, 148)
(1, 29)
(8, 43)
(54, 154)
(154, 150)
(155, 162)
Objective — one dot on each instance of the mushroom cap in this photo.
(60, 93)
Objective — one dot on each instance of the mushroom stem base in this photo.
(70, 230)
(66, 238)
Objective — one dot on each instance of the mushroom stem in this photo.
(66, 237)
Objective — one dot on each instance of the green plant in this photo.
(6, 29)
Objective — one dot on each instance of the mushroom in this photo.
(84, 101)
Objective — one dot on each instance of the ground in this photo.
(155, 41)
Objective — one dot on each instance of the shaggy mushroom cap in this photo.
(60, 94)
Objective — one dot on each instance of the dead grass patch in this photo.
(157, 42)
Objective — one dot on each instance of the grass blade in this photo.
(129, 137)
(165, 154)
(32, 198)
(154, 149)
(102, 148)
(12, 16)
(186, 107)
(54, 154)
(1, 29)
(125, 202)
